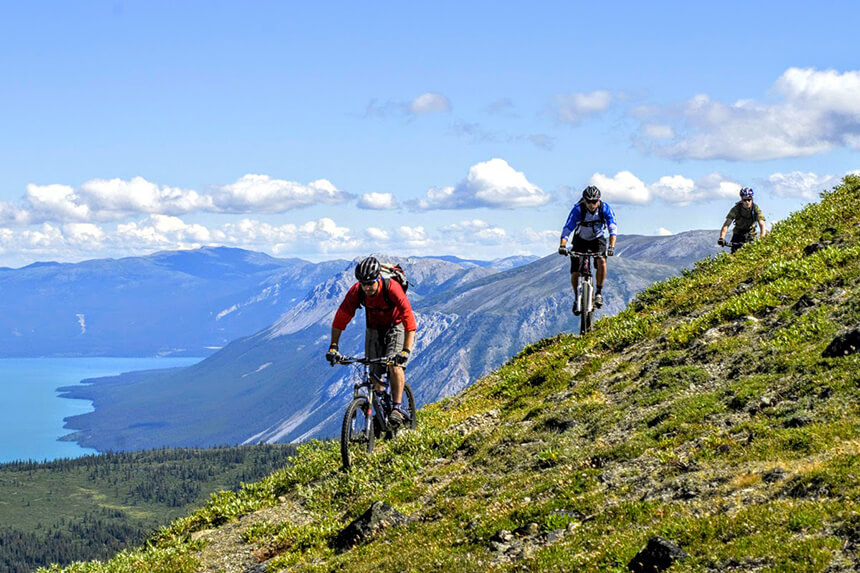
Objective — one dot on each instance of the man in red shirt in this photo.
(390, 327)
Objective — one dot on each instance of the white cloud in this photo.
(819, 110)
(430, 103)
(84, 233)
(413, 237)
(492, 184)
(623, 187)
(100, 200)
(658, 131)
(377, 235)
(377, 201)
(684, 191)
(800, 184)
(664, 232)
(573, 108)
(262, 194)
(474, 231)
(56, 203)
(424, 104)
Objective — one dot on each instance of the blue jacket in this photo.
(591, 227)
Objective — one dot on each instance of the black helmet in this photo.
(367, 270)
(591, 193)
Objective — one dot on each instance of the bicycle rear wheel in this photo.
(356, 433)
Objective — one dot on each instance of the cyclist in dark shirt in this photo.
(746, 215)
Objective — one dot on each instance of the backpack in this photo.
(583, 210)
(745, 225)
(388, 272)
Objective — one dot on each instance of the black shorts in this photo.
(597, 245)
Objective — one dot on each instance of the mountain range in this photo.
(274, 385)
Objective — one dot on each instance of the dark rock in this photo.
(686, 493)
(657, 419)
(258, 568)
(844, 344)
(797, 421)
(559, 424)
(658, 555)
(528, 529)
(744, 287)
(379, 516)
(804, 301)
(773, 475)
(813, 248)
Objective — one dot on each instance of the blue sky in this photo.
(336, 129)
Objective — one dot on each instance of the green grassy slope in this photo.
(704, 413)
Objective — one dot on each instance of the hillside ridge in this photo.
(714, 412)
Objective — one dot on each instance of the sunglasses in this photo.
(592, 202)
(747, 200)
(366, 283)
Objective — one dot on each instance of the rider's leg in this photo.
(374, 348)
(574, 281)
(397, 378)
(600, 274)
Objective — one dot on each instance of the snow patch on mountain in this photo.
(260, 369)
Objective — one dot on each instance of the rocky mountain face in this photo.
(275, 386)
(171, 303)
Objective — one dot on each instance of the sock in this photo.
(396, 405)
(600, 288)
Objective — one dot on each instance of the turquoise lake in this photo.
(32, 413)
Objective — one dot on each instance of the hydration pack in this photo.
(583, 210)
(389, 272)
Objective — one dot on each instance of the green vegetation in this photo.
(704, 413)
(91, 507)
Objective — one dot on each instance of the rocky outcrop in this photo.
(845, 343)
(658, 555)
(379, 516)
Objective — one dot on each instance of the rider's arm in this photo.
(347, 309)
(401, 303)
(725, 228)
(609, 217)
(408, 340)
(570, 225)
(762, 228)
(335, 337)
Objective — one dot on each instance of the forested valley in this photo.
(91, 507)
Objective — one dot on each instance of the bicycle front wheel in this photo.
(585, 307)
(410, 403)
(356, 434)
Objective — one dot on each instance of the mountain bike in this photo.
(586, 290)
(734, 246)
(366, 417)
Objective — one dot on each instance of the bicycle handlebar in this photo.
(591, 254)
(346, 360)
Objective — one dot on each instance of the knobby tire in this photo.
(354, 437)
(585, 308)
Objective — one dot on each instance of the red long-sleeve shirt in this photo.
(379, 314)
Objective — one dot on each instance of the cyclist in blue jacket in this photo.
(587, 221)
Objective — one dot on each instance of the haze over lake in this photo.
(33, 413)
